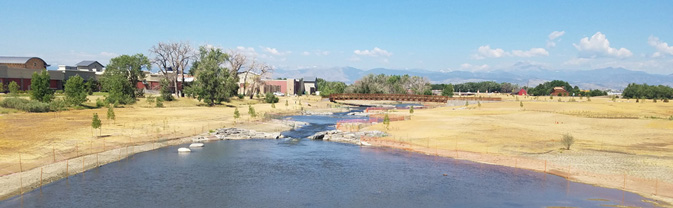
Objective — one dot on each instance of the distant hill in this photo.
(606, 78)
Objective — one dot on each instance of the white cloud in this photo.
(316, 52)
(471, 67)
(552, 38)
(662, 47)
(275, 52)
(249, 51)
(556, 34)
(376, 52)
(599, 46)
(487, 52)
(530, 53)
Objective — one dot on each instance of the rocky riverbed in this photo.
(346, 137)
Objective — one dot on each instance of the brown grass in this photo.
(42, 138)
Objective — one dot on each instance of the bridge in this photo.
(406, 97)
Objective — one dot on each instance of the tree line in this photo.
(642, 91)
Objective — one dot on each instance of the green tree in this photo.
(121, 77)
(448, 90)
(39, 87)
(214, 82)
(75, 90)
(111, 113)
(13, 89)
(411, 109)
(2, 87)
(386, 121)
(327, 88)
(251, 111)
(165, 90)
(96, 123)
(567, 140)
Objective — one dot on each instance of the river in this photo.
(306, 173)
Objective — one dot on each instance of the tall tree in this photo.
(122, 76)
(448, 90)
(263, 70)
(212, 77)
(172, 58)
(75, 90)
(39, 87)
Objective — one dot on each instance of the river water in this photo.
(306, 173)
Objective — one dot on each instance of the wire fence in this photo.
(38, 165)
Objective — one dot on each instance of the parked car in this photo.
(279, 94)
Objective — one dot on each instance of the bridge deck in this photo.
(404, 97)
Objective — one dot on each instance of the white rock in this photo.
(196, 145)
(184, 149)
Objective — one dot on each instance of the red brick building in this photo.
(21, 69)
(559, 91)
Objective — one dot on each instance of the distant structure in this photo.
(306, 85)
(559, 91)
(88, 70)
(522, 92)
(21, 69)
(309, 84)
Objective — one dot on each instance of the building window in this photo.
(34, 64)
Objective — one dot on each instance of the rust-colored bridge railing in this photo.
(392, 97)
(405, 97)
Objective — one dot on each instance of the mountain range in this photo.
(606, 78)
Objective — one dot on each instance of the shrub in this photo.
(25, 105)
(236, 114)
(411, 109)
(2, 87)
(386, 121)
(665, 100)
(13, 89)
(99, 103)
(270, 98)
(251, 111)
(160, 102)
(240, 96)
(150, 99)
(567, 141)
(57, 105)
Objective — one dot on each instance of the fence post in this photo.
(656, 186)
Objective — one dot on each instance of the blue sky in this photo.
(431, 35)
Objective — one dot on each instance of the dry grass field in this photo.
(42, 138)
